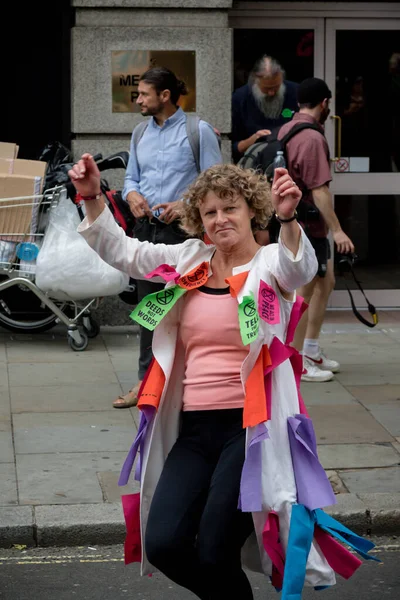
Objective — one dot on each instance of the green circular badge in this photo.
(287, 113)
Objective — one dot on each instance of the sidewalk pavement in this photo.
(62, 444)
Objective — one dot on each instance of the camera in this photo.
(345, 262)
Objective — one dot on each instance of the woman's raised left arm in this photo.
(293, 262)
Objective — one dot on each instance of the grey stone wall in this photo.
(146, 17)
(104, 26)
(91, 64)
(153, 3)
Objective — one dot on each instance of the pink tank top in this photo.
(214, 352)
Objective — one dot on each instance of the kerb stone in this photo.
(75, 525)
(16, 526)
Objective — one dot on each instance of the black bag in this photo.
(264, 158)
(120, 211)
(261, 155)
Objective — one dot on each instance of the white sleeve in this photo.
(130, 256)
(290, 271)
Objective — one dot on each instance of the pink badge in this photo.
(167, 272)
(268, 304)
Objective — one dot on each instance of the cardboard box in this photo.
(11, 165)
(16, 215)
(8, 150)
(18, 178)
(20, 166)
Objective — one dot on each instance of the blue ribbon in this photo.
(301, 534)
(341, 533)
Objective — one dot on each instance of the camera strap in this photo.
(371, 307)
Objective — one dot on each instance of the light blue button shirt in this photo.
(163, 166)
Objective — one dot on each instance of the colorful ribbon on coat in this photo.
(273, 547)
(133, 542)
(313, 486)
(138, 445)
(250, 495)
(164, 271)
(304, 523)
(279, 352)
(299, 307)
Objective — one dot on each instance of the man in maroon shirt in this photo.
(309, 165)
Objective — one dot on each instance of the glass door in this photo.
(362, 68)
(297, 43)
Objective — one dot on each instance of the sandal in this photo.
(128, 400)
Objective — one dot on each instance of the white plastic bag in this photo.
(67, 268)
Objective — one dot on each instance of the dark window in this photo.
(36, 75)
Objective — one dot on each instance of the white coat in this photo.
(280, 269)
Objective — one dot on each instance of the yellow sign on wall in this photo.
(128, 66)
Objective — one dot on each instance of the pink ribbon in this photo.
(273, 547)
(339, 558)
(299, 307)
(297, 364)
(164, 271)
(279, 352)
(133, 542)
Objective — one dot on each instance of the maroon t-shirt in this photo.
(308, 164)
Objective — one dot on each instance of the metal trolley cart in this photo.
(23, 306)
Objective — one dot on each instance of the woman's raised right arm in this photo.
(135, 258)
(102, 233)
(85, 176)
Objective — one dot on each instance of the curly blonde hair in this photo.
(227, 181)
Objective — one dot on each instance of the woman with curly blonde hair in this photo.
(205, 405)
(228, 182)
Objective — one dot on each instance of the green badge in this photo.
(153, 308)
(248, 320)
(287, 113)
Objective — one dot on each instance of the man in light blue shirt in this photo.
(161, 167)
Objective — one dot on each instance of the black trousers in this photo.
(157, 232)
(195, 531)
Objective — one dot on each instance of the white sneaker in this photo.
(323, 362)
(313, 373)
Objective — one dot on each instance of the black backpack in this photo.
(261, 155)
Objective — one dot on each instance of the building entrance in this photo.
(359, 58)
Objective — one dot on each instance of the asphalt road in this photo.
(100, 574)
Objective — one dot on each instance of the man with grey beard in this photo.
(266, 102)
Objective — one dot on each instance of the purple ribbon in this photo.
(250, 497)
(147, 413)
(313, 487)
